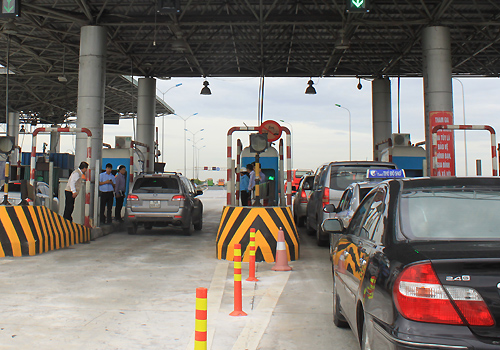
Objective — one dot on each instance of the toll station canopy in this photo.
(237, 38)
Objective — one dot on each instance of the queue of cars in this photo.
(414, 261)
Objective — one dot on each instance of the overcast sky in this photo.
(320, 130)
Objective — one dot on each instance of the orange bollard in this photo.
(251, 277)
(237, 283)
(281, 256)
(200, 332)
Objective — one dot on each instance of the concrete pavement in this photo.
(138, 292)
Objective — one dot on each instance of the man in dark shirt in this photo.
(120, 189)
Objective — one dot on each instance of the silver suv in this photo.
(330, 182)
(161, 200)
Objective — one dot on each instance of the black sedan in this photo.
(419, 265)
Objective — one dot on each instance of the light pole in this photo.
(194, 146)
(291, 129)
(185, 119)
(198, 149)
(349, 128)
(163, 121)
(465, 131)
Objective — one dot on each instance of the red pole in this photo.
(251, 277)
(237, 283)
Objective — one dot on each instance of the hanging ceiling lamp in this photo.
(206, 89)
(310, 89)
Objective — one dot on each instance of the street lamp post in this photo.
(163, 121)
(291, 129)
(198, 149)
(185, 120)
(350, 158)
(465, 132)
(194, 146)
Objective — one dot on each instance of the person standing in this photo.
(73, 189)
(106, 190)
(244, 193)
(120, 191)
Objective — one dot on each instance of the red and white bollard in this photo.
(251, 277)
(238, 294)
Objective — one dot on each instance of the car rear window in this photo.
(156, 185)
(343, 176)
(450, 214)
(300, 173)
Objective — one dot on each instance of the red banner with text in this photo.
(445, 143)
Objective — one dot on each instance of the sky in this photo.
(319, 128)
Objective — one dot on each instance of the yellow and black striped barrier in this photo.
(27, 230)
(235, 227)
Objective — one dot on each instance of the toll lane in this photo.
(138, 292)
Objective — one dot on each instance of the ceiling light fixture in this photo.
(310, 89)
(205, 90)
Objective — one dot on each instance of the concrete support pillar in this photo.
(91, 85)
(146, 112)
(436, 50)
(381, 113)
(55, 140)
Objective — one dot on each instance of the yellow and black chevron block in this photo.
(235, 227)
(27, 230)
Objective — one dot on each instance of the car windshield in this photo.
(156, 185)
(450, 214)
(343, 176)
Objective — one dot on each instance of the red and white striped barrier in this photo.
(132, 144)
(288, 165)
(239, 149)
(230, 194)
(435, 129)
(89, 155)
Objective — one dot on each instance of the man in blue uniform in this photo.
(106, 191)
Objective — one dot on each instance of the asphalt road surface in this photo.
(138, 292)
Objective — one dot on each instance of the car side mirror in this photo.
(199, 192)
(307, 186)
(329, 208)
(332, 226)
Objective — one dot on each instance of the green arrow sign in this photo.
(358, 3)
(10, 8)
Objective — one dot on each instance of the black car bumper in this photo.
(442, 337)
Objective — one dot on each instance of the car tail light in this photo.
(419, 296)
(326, 196)
(132, 197)
(303, 197)
(29, 201)
(178, 197)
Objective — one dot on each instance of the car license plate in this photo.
(154, 204)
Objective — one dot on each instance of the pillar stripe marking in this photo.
(292, 234)
(36, 228)
(230, 222)
(2, 253)
(44, 245)
(23, 221)
(46, 221)
(58, 234)
(226, 214)
(53, 231)
(65, 230)
(5, 242)
(11, 232)
(18, 229)
(237, 232)
(49, 245)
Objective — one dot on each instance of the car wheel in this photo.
(310, 229)
(320, 241)
(187, 229)
(338, 318)
(365, 339)
(132, 229)
(199, 225)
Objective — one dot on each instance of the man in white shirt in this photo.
(73, 188)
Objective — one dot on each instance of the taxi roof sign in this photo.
(385, 173)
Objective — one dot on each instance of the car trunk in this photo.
(469, 264)
(161, 195)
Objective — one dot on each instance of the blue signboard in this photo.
(385, 173)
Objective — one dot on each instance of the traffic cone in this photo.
(281, 256)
